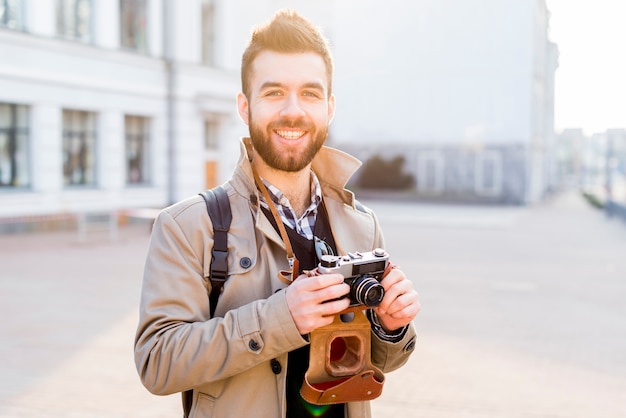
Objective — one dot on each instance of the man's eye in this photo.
(311, 94)
(273, 93)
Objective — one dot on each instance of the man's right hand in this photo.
(308, 300)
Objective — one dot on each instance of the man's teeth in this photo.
(291, 134)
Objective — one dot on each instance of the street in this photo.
(522, 316)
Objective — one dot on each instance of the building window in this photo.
(74, 19)
(210, 135)
(137, 149)
(430, 172)
(79, 140)
(208, 32)
(488, 180)
(133, 25)
(11, 14)
(14, 150)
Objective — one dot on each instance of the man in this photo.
(250, 358)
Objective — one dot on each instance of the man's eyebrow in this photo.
(310, 85)
(270, 84)
(314, 85)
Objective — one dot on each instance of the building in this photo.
(463, 89)
(107, 105)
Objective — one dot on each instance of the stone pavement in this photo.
(523, 316)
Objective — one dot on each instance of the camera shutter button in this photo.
(379, 252)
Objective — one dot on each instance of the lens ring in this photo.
(368, 291)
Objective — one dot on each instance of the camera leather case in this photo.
(340, 368)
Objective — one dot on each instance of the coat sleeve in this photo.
(389, 356)
(177, 345)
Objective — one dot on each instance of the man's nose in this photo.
(292, 107)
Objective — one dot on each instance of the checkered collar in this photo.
(306, 223)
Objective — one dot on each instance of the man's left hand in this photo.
(401, 302)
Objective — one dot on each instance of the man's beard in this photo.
(265, 148)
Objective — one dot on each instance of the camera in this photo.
(362, 272)
(340, 364)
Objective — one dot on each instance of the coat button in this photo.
(276, 367)
(254, 346)
(245, 262)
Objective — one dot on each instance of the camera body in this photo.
(362, 272)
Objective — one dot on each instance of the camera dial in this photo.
(329, 261)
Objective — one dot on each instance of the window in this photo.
(11, 14)
(133, 25)
(208, 32)
(79, 140)
(210, 135)
(14, 150)
(137, 149)
(74, 19)
(430, 171)
(488, 180)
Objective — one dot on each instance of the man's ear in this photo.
(243, 107)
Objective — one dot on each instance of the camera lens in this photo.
(367, 291)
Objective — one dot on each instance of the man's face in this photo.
(289, 108)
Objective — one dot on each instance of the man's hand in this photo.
(307, 299)
(401, 302)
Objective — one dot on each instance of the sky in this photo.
(591, 78)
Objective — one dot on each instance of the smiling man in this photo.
(288, 202)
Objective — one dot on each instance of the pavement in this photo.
(522, 316)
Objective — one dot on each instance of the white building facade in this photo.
(115, 104)
(108, 104)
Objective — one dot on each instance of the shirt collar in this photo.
(279, 199)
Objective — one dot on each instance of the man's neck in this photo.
(296, 186)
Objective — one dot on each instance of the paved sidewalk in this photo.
(522, 316)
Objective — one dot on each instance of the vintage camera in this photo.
(362, 271)
(340, 364)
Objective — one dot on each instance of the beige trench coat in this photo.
(227, 359)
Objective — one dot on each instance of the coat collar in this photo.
(333, 169)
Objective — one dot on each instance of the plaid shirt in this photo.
(306, 223)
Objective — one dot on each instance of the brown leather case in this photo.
(340, 366)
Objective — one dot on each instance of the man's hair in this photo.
(287, 32)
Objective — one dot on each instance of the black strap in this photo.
(218, 207)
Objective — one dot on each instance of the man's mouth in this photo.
(290, 134)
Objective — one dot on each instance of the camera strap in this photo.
(284, 276)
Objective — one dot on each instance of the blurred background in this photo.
(114, 105)
(494, 146)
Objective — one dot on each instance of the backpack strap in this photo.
(218, 207)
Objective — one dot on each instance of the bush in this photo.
(378, 173)
(593, 200)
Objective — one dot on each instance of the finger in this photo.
(332, 308)
(394, 276)
(329, 293)
(404, 304)
(318, 282)
(396, 290)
